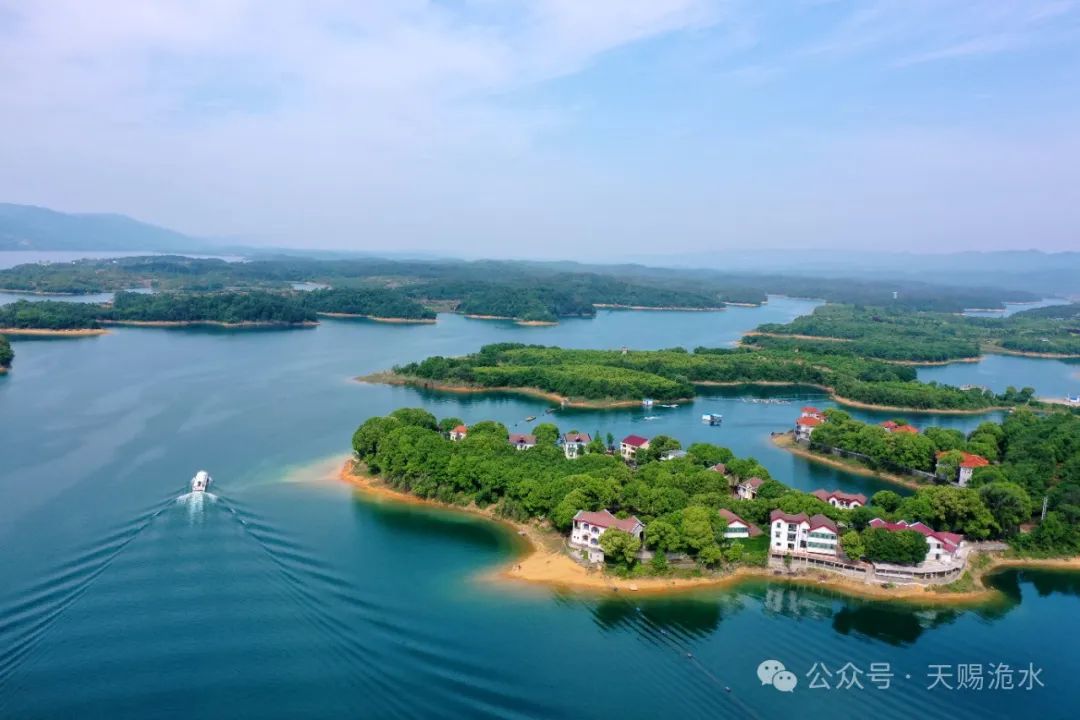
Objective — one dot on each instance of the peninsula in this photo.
(647, 515)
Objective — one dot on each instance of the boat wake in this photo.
(196, 503)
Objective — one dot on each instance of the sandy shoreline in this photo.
(787, 442)
(523, 323)
(986, 348)
(544, 563)
(43, 332)
(390, 378)
(652, 308)
(376, 318)
(998, 350)
(849, 402)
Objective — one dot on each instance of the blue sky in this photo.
(553, 128)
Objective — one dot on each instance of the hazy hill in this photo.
(26, 227)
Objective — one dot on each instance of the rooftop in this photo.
(731, 517)
(604, 519)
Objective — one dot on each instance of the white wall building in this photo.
(748, 489)
(522, 442)
(839, 499)
(574, 444)
(737, 528)
(942, 547)
(589, 526)
(631, 444)
(802, 534)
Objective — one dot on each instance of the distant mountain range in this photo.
(1056, 273)
(27, 227)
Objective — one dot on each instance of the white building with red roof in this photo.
(891, 426)
(589, 527)
(522, 442)
(840, 499)
(630, 445)
(737, 528)
(968, 463)
(944, 547)
(573, 444)
(805, 424)
(748, 489)
(459, 433)
(817, 534)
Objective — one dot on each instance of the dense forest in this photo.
(898, 334)
(229, 308)
(370, 302)
(51, 315)
(6, 355)
(523, 290)
(671, 374)
(677, 500)
(1032, 456)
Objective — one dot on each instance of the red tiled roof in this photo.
(460, 429)
(720, 468)
(754, 482)
(824, 496)
(811, 410)
(574, 437)
(635, 440)
(821, 521)
(519, 439)
(753, 530)
(809, 421)
(605, 519)
(890, 425)
(779, 514)
(948, 539)
(970, 460)
(907, 429)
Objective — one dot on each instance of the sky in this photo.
(577, 129)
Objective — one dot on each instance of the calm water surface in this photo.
(291, 597)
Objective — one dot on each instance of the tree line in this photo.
(897, 333)
(669, 374)
(227, 307)
(6, 354)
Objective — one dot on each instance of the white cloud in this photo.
(423, 124)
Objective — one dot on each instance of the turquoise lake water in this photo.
(292, 597)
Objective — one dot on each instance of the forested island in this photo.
(6, 355)
(679, 501)
(612, 376)
(526, 291)
(233, 308)
(1039, 453)
(890, 333)
(375, 303)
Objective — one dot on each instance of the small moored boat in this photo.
(712, 418)
(201, 481)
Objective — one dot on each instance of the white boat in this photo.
(201, 482)
(669, 405)
(712, 418)
(647, 402)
